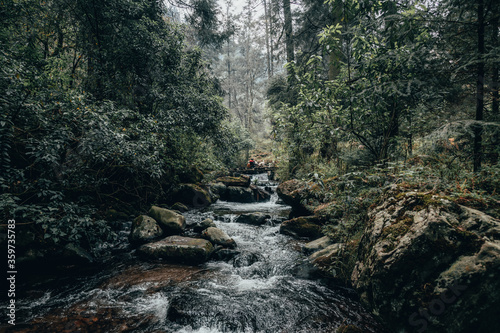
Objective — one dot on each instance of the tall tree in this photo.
(269, 52)
(477, 152)
(495, 50)
(289, 40)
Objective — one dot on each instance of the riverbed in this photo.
(265, 288)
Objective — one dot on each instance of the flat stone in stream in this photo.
(191, 251)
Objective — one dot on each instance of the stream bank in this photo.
(420, 260)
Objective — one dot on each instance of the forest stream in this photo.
(263, 289)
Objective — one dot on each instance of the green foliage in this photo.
(390, 83)
(103, 105)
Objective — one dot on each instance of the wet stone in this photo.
(179, 249)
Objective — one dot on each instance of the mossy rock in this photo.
(308, 227)
(239, 194)
(144, 229)
(235, 181)
(317, 245)
(170, 222)
(218, 237)
(296, 193)
(415, 248)
(206, 223)
(192, 195)
(179, 207)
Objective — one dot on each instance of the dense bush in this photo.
(103, 105)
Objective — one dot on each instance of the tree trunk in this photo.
(290, 56)
(335, 53)
(268, 49)
(479, 87)
(495, 68)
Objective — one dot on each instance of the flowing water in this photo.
(264, 288)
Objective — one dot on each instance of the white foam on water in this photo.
(267, 207)
(256, 284)
(157, 304)
(35, 303)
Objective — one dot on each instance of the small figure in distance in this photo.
(251, 164)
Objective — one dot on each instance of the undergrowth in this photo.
(345, 200)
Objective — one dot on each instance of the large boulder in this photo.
(302, 227)
(427, 264)
(144, 229)
(170, 222)
(192, 195)
(297, 193)
(218, 237)
(257, 218)
(235, 181)
(238, 194)
(191, 251)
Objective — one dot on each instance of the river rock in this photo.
(257, 218)
(192, 195)
(218, 237)
(206, 223)
(179, 249)
(242, 180)
(317, 245)
(296, 193)
(225, 254)
(218, 189)
(171, 222)
(259, 194)
(179, 207)
(238, 194)
(427, 264)
(144, 229)
(302, 227)
(241, 194)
